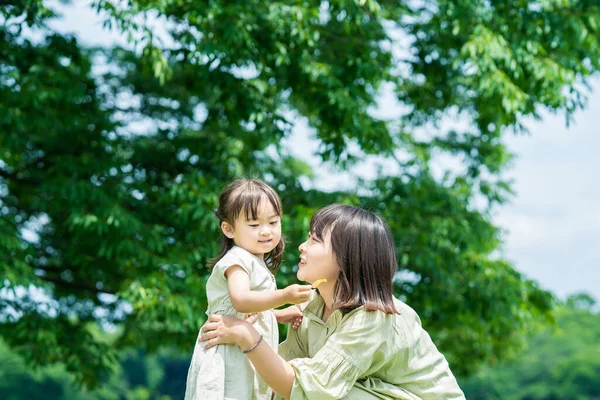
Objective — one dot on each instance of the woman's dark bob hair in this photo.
(364, 250)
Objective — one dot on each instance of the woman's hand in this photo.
(272, 368)
(223, 329)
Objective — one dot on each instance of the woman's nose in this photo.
(302, 247)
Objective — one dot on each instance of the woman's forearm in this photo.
(274, 370)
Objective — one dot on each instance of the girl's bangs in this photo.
(249, 200)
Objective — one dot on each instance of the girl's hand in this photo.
(224, 329)
(288, 315)
(296, 294)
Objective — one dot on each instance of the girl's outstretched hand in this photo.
(224, 329)
(296, 294)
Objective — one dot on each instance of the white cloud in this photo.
(553, 223)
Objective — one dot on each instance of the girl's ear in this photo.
(227, 229)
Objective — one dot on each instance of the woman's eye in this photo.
(274, 222)
(254, 225)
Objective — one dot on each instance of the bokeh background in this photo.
(470, 126)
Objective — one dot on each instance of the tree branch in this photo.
(76, 285)
(13, 177)
(6, 175)
(50, 267)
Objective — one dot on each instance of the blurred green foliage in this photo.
(137, 376)
(562, 363)
(111, 159)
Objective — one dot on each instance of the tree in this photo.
(160, 379)
(558, 363)
(111, 159)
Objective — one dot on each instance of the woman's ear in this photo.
(227, 229)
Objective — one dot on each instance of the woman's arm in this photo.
(245, 300)
(275, 371)
(361, 341)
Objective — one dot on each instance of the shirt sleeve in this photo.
(230, 259)
(346, 356)
(294, 345)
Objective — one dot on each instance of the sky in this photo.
(551, 226)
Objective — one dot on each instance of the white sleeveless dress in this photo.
(223, 371)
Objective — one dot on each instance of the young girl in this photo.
(241, 283)
(356, 341)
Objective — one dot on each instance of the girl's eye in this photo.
(254, 225)
(274, 222)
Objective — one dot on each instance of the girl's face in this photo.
(317, 260)
(259, 236)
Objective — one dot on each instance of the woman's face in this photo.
(317, 260)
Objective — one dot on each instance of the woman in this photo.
(355, 340)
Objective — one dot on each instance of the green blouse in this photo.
(366, 355)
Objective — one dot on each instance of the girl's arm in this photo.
(291, 314)
(275, 371)
(245, 300)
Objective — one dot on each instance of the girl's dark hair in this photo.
(364, 250)
(245, 195)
